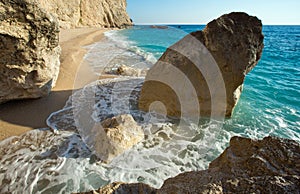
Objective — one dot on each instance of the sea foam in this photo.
(63, 160)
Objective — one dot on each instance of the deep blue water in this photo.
(269, 104)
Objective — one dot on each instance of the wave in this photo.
(115, 50)
(62, 160)
(133, 50)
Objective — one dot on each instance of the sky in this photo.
(271, 12)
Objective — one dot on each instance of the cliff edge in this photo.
(81, 13)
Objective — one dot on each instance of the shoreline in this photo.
(18, 117)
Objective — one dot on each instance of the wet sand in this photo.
(18, 117)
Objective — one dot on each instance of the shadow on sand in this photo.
(34, 112)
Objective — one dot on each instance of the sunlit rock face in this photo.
(116, 135)
(29, 44)
(80, 13)
(187, 71)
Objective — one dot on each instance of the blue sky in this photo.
(202, 11)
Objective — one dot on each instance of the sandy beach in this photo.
(20, 116)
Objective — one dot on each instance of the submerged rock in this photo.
(270, 165)
(81, 13)
(116, 135)
(187, 71)
(159, 27)
(29, 44)
(125, 70)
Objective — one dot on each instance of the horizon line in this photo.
(145, 24)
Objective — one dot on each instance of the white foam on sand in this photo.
(115, 50)
(63, 160)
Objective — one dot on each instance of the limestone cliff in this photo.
(79, 13)
(29, 45)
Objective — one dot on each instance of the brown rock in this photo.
(270, 165)
(125, 70)
(116, 135)
(29, 57)
(125, 188)
(187, 71)
(80, 13)
(159, 27)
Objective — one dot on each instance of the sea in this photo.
(64, 158)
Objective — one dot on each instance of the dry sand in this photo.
(20, 116)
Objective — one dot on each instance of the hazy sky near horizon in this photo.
(202, 11)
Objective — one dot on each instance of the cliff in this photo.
(80, 13)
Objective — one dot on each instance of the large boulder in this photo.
(80, 13)
(270, 165)
(116, 135)
(29, 57)
(186, 72)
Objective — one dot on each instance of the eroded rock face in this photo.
(270, 165)
(29, 57)
(187, 71)
(116, 135)
(133, 188)
(79, 13)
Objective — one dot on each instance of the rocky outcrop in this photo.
(80, 13)
(29, 34)
(125, 188)
(116, 135)
(270, 165)
(29, 57)
(187, 71)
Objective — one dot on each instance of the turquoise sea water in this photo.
(63, 160)
(270, 102)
